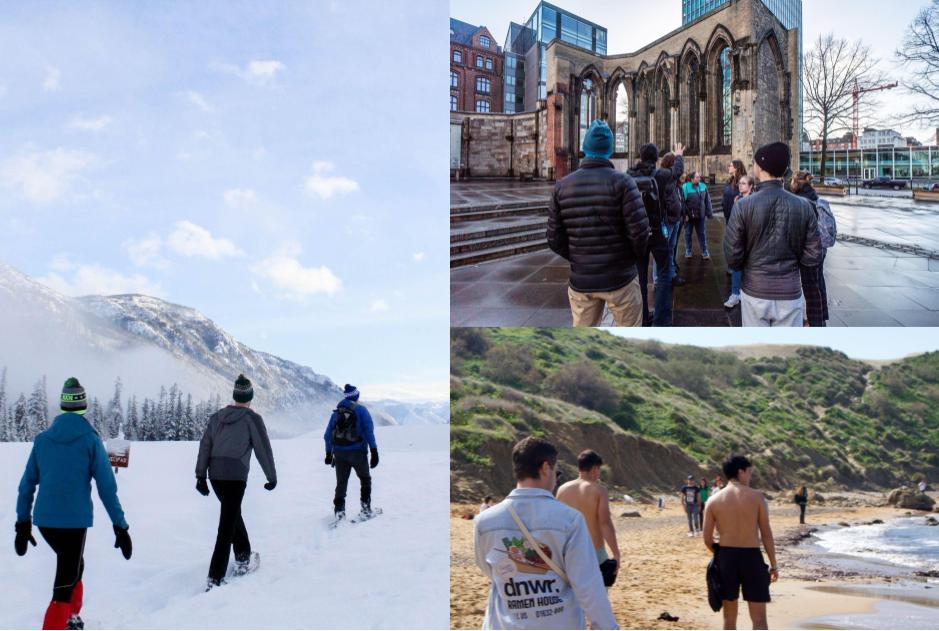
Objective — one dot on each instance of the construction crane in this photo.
(856, 95)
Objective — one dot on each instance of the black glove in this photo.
(270, 485)
(329, 458)
(122, 541)
(374, 461)
(24, 535)
(202, 486)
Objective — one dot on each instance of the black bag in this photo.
(609, 570)
(715, 599)
(651, 199)
(346, 431)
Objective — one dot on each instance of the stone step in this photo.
(482, 215)
(470, 230)
(494, 254)
(489, 243)
(521, 203)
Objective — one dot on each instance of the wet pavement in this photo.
(489, 192)
(867, 286)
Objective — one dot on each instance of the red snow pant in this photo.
(67, 592)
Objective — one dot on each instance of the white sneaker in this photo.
(691, 534)
(733, 301)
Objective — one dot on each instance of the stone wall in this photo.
(502, 145)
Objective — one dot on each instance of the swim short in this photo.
(743, 568)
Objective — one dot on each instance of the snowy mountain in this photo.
(417, 413)
(149, 342)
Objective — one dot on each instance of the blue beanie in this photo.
(351, 392)
(598, 141)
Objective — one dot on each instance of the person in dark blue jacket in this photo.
(63, 461)
(349, 435)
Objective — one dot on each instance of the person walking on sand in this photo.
(770, 235)
(704, 492)
(63, 461)
(537, 553)
(802, 499)
(591, 498)
(691, 500)
(718, 483)
(225, 459)
(740, 515)
(351, 446)
(597, 221)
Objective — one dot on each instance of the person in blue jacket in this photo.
(63, 461)
(349, 436)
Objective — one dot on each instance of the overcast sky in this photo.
(264, 163)
(886, 344)
(632, 24)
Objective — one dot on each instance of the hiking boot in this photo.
(211, 583)
(75, 622)
(366, 509)
(733, 301)
(242, 564)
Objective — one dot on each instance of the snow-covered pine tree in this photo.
(146, 421)
(160, 417)
(188, 423)
(4, 417)
(37, 410)
(20, 420)
(132, 427)
(95, 416)
(114, 413)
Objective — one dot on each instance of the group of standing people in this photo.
(546, 550)
(70, 454)
(610, 225)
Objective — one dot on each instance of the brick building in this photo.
(722, 85)
(477, 65)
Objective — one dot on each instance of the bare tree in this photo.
(829, 73)
(920, 53)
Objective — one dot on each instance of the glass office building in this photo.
(904, 163)
(526, 43)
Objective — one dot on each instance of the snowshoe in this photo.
(247, 565)
(367, 513)
(211, 583)
(338, 518)
(75, 622)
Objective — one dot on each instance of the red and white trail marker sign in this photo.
(119, 452)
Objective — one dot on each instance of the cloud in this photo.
(45, 176)
(236, 197)
(146, 252)
(263, 71)
(76, 279)
(326, 186)
(189, 239)
(418, 257)
(198, 100)
(89, 124)
(379, 306)
(291, 280)
(50, 82)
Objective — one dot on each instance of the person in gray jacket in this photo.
(771, 233)
(225, 457)
(537, 553)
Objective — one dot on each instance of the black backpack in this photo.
(652, 199)
(346, 430)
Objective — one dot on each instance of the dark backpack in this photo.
(827, 226)
(651, 199)
(346, 431)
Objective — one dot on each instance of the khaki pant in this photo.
(625, 304)
(770, 313)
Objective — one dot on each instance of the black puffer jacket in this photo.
(770, 234)
(667, 181)
(598, 223)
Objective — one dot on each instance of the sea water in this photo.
(907, 542)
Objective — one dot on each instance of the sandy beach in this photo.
(664, 569)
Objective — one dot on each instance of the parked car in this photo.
(833, 181)
(884, 182)
(931, 186)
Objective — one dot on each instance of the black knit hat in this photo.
(350, 392)
(774, 158)
(649, 153)
(243, 390)
(73, 397)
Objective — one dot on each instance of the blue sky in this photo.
(632, 24)
(273, 165)
(881, 343)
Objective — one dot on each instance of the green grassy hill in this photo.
(657, 412)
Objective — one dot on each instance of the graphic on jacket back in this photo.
(527, 559)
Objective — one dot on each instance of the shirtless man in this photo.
(741, 517)
(587, 495)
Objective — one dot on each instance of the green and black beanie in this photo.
(73, 397)
(243, 390)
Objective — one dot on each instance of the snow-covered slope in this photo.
(391, 572)
(422, 413)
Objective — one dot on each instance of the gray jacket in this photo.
(770, 234)
(225, 449)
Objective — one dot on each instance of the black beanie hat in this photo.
(73, 397)
(774, 158)
(649, 153)
(243, 390)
